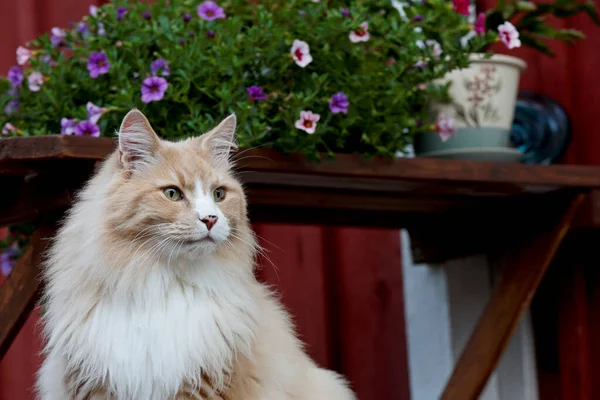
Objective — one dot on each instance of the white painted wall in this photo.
(443, 303)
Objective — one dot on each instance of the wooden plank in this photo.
(575, 355)
(369, 336)
(292, 262)
(524, 271)
(531, 178)
(37, 148)
(20, 290)
(49, 191)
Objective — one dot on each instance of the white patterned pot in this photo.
(483, 96)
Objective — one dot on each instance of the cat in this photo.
(150, 292)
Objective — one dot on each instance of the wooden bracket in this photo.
(19, 293)
(520, 279)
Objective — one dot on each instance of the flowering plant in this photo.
(302, 76)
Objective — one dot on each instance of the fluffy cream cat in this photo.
(150, 292)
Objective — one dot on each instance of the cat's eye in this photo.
(172, 193)
(219, 194)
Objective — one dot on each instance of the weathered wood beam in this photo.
(19, 292)
(524, 270)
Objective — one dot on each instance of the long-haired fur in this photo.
(150, 292)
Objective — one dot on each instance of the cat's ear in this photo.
(137, 141)
(221, 140)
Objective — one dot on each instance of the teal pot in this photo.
(479, 144)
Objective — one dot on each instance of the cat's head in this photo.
(174, 198)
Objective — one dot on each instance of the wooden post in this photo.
(520, 279)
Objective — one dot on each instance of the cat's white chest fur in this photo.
(149, 342)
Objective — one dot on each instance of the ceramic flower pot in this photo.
(477, 123)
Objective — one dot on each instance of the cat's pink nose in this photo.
(209, 221)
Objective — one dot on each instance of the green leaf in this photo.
(529, 41)
(525, 6)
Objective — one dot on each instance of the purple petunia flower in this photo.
(87, 128)
(23, 55)
(11, 107)
(46, 59)
(82, 28)
(15, 76)
(345, 13)
(8, 259)
(210, 33)
(417, 18)
(146, 15)
(153, 89)
(160, 65)
(94, 112)
(57, 36)
(67, 126)
(339, 103)
(181, 41)
(420, 64)
(121, 11)
(98, 64)
(187, 17)
(209, 11)
(256, 93)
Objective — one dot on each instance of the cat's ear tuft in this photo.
(137, 141)
(221, 140)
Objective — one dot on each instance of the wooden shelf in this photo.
(349, 190)
(451, 208)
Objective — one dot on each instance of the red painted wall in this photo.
(343, 286)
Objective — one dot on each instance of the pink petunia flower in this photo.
(479, 26)
(9, 128)
(23, 55)
(308, 121)
(57, 36)
(301, 53)
(445, 127)
(509, 35)
(154, 88)
(462, 6)
(361, 34)
(35, 81)
(209, 11)
(100, 29)
(436, 50)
